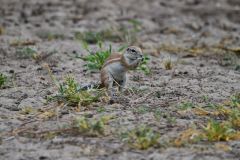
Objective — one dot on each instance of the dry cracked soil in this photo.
(200, 37)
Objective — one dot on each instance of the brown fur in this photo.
(115, 57)
(104, 78)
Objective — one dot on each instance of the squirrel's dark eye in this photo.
(133, 51)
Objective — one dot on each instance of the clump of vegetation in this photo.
(28, 52)
(116, 34)
(141, 137)
(216, 131)
(190, 135)
(234, 118)
(158, 114)
(143, 66)
(3, 80)
(96, 60)
(91, 127)
(170, 119)
(28, 110)
(225, 110)
(168, 64)
(235, 101)
(70, 92)
(228, 59)
(185, 105)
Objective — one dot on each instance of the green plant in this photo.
(190, 135)
(28, 110)
(185, 105)
(141, 137)
(27, 52)
(3, 79)
(70, 92)
(170, 120)
(205, 98)
(158, 114)
(216, 131)
(228, 59)
(96, 60)
(212, 105)
(234, 118)
(143, 66)
(91, 127)
(168, 64)
(235, 100)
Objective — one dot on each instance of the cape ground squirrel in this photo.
(113, 72)
(114, 69)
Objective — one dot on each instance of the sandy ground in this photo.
(185, 23)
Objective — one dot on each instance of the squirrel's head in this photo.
(132, 57)
(133, 53)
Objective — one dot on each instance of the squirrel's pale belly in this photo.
(117, 70)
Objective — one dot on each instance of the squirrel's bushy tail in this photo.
(92, 85)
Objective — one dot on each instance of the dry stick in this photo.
(116, 81)
(23, 43)
(51, 74)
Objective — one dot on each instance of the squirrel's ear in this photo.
(128, 49)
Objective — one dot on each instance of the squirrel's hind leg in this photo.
(107, 82)
(122, 84)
